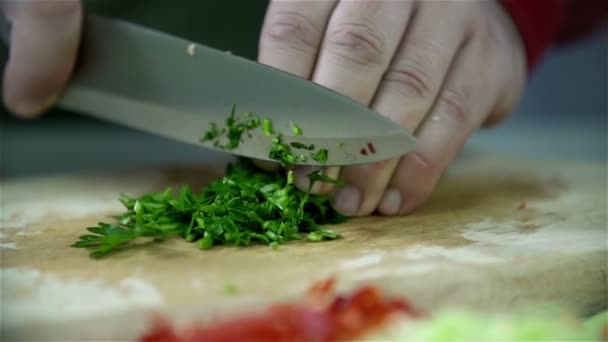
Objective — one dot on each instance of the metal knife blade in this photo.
(161, 84)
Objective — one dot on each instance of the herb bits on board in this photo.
(247, 206)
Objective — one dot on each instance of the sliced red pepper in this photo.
(320, 317)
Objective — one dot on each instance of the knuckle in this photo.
(414, 75)
(291, 29)
(412, 118)
(55, 9)
(456, 105)
(16, 105)
(359, 44)
(411, 80)
(424, 165)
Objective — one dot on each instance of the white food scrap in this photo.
(191, 49)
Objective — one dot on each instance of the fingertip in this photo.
(415, 179)
(372, 180)
(408, 206)
(347, 201)
(45, 36)
(412, 201)
(27, 108)
(391, 202)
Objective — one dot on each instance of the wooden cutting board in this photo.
(499, 234)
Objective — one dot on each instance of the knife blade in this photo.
(161, 84)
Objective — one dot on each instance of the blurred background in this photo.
(563, 114)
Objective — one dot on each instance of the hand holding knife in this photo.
(165, 85)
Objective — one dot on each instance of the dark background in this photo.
(563, 113)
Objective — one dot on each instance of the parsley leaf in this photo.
(318, 176)
(320, 156)
(235, 128)
(267, 127)
(245, 207)
(299, 145)
(295, 129)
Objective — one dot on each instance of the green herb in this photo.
(235, 128)
(212, 133)
(111, 236)
(290, 177)
(318, 176)
(299, 145)
(244, 207)
(297, 131)
(281, 152)
(320, 235)
(206, 242)
(267, 127)
(320, 156)
(230, 288)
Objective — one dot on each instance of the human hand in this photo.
(44, 41)
(440, 69)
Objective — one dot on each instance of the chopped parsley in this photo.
(267, 127)
(320, 156)
(245, 207)
(282, 152)
(295, 129)
(318, 176)
(234, 130)
(299, 145)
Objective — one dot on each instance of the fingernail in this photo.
(347, 200)
(391, 202)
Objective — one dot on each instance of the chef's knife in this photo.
(161, 84)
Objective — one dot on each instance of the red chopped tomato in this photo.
(319, 318)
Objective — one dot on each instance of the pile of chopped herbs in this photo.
(245, 207)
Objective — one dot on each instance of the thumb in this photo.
(44, 41)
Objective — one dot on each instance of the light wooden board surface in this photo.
(471, 246)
